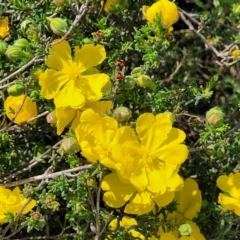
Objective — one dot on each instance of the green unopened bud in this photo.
(145, 81)
(51, 117)
(69, 145)
(35, 73)
(137, 72)
(16, 89)
(22, 43)
(122, 114)
(59, 2)
(32, 33)
(3, 47)
(236, 9)
(170, 115)
(185, 229)
(14, 53)
(215, 117)
(34, 95)
(58, 25)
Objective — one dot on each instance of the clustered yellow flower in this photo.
(4, 28)
(231, 186)
(144, 161)
(12, 202)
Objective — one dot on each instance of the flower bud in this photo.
(34, 95)
(58, 25)
(16, 89)
(145, 81)
(32, 33)
(119, 63)
(215, 117)
(51, 117)
(69, 145)
(3, 47)
(14, 53)
(59, 2)
(22, 43)
(185, 229)
(137, 72)
(236, 9)
(36, 216)
(35, 73)
(119, 76)
(122, 114)
(170, 115)
(100, 34)
(23, 106)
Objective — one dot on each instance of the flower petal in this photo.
(152, 131)
(140, 204)
(189, 199)
(175, 155)
(64, 117)
(89, 56)
(70, 96)
(51, 82)
(117, 193)
(164, 199)
(60, 56)
(92, 85)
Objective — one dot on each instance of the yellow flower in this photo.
(76, 85)
(150, 158)
(28, 108)
(12, 201)
(235, 53)
(65, 80)
(4, 28)
(231, 185)
(167, 10)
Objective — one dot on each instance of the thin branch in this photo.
(30, 164)
(98, 211)
(19, 70)
(46, 176)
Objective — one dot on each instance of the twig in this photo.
(98, 211)
(38, 116)
(179, 65)
(19, 70)
(30, 165)
(46, 176)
